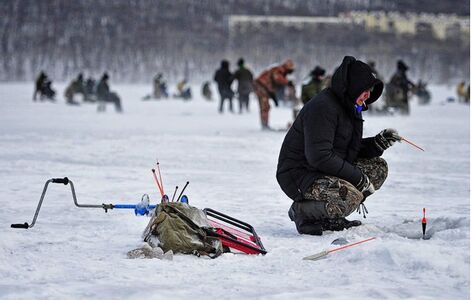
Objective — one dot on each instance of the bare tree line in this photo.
(133, 40)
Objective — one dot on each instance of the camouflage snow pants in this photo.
(263, 101)
(331, 197)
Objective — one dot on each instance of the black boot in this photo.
(305, 226)
(339, 224)
(312, 228)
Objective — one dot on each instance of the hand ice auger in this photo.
(142, 208)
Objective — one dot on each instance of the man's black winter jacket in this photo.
(326, 137)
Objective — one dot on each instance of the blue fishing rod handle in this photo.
(125, 206)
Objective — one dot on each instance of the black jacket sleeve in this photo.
(369, 149)
(319, 132)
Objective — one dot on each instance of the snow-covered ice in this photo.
(74, 253)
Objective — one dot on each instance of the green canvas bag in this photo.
(183, 229)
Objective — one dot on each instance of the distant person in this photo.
(104, 95)
(372, 65)
(163, 88)
(266, 85)
(398, 88)
(244, 79)
(325, 165)
(314, 85)
(184, 90)
(160, 87)
(422, 93)
(90, 89)
(462, 92)
(224, 78)
(156, 86)
(77, 86)
(47, 91)
(39, 85)
(206, 91)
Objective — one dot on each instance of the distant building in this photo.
(441, 26)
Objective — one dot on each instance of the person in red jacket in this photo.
(266, 85)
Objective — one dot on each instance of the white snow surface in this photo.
(78, 253)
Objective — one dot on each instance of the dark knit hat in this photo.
(318, 71)
(402, 65)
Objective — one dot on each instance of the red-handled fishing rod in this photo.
(412, 144)
(158, 184)
(327, 252)
(160, 176)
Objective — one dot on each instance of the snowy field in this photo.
(74, 253)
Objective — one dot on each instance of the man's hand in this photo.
(386, 138)
(365, 186)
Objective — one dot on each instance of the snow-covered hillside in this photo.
(74, 253)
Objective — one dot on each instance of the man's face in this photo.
(363, 97)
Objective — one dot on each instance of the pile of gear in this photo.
(176, 227)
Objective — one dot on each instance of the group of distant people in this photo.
(79, 86)
(93, 92)
(397, 93)
(160, 89)
(270, 84)
(273, 83)
(224, 78)
(89, 89)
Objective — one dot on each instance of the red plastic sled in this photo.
(235, 234)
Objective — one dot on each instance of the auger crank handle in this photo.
(24, 225)
(64, 180)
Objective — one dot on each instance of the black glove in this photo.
(386, 138)
(365, 186)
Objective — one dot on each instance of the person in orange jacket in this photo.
(266, 85)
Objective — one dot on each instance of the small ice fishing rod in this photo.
(158, 183)
(142, 208)
(327, 252)
(410, 143)
(181, 193)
